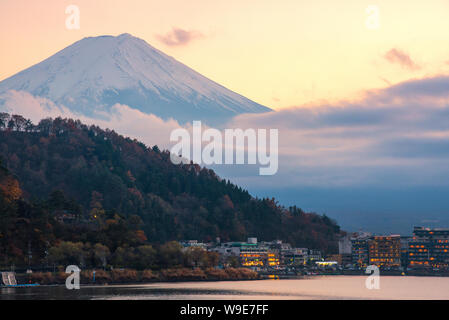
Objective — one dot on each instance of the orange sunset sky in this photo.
(278, 53)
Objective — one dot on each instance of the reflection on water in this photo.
(329, 287)
(125, 292)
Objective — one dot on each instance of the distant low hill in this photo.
(97, 174)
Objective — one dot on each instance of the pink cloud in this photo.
(179, 37)
(397, 56)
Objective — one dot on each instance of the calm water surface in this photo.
(326, 287)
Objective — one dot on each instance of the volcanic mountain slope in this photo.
(95, 73)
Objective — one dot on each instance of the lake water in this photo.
(320, 287)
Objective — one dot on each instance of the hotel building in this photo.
(385, 251)
(429, 248)
(360, 252)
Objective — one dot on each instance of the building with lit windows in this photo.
(385, 251)
(405, 242)
(276, 249)
(295, 257)
(260, 255)
(314, 255)
(360, 251)
(273, 260)
(251, 253)
(342, 259)
(429, 248)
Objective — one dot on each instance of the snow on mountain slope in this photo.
(95, 73)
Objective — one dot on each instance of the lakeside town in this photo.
(424, 253)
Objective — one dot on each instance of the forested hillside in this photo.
(89, 179)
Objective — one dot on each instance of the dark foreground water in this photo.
(326, 287)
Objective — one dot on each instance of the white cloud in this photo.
(397, 136)
(133, 123)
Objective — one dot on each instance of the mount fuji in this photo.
(95, 73)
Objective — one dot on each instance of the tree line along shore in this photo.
(127, 276)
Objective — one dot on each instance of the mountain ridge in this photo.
(104, 172)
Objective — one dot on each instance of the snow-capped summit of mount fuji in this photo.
(96, 73)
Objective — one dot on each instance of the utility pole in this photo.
(30, 255)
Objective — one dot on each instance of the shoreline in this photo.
(58, 279)
(130, 276)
